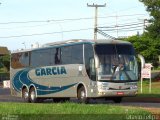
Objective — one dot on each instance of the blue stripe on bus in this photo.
(22, 77)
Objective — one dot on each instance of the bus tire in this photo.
(25, 95)
(81, 95)
(32, 95)
(117, 99)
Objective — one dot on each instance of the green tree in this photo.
(153, 7)
(147, 47)
(5, 61)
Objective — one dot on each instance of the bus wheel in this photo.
(25, 95)
(82, 95)
(117, 99)
(32, 95)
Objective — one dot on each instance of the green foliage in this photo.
(154, 89)
(69, 111)
(5, 62)
(146, 46)
(153, 7)
(149, 43)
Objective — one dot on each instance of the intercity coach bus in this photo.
(82, 69)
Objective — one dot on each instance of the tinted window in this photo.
(66, 55)
(69, 55)
(20, 60)
(77, 54)
(52, 56)
(125, 49)
(89, 61)
(57, 56)
(88, 54)
(41, 58)
(109, 49)
(47, 57)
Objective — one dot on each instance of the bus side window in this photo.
(57, 56)
(89, 61)
(66, 55)
(40, 58)
(77, 54)
(20, 60)
(92, 71)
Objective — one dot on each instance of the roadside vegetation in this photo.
(155, 89)
(148, 43)
(4, 68)
(69, 111)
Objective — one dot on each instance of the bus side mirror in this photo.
(96, 62)
(142, 60)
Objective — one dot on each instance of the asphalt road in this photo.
(6, 97)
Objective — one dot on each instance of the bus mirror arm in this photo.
(142, 60)
(96, 62)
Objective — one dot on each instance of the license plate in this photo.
(120, 93)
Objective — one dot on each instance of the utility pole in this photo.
(96, 14)
(144, 24)
(117, 24)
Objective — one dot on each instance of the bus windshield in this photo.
(116, 62)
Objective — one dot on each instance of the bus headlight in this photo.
(134, 87)
(103, 86)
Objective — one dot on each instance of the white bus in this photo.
(82, 69)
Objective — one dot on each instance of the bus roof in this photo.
(100, 41)
(75, 41)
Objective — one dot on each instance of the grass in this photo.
(68, 111)
(156, 68)
(155, 89)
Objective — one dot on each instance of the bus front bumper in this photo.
(116, 93)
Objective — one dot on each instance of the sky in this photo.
(28, 22)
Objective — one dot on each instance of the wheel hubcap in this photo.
(25, 95)
(32, 95)
(82, 94)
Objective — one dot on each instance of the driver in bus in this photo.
(118, 72)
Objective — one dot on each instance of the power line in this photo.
(123, 28)
(130, 30)
(62, 20)
(40, 25)
(38, 34)
(112, 26)
(136, 26)
(32, 26)
(122, 25)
